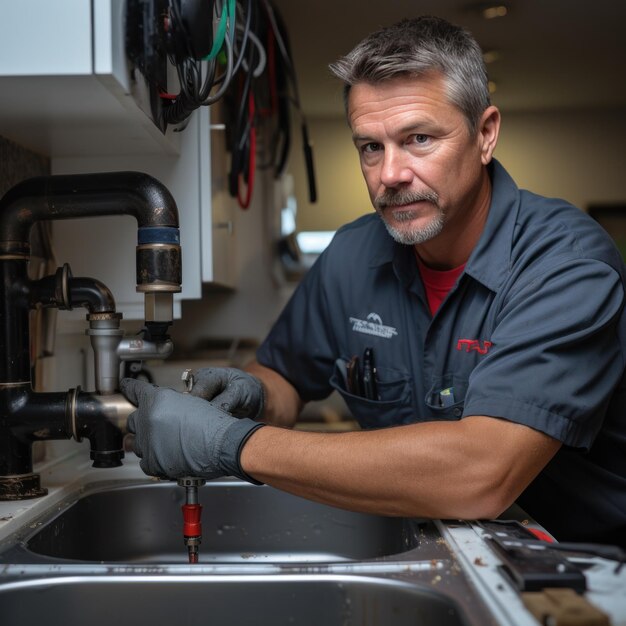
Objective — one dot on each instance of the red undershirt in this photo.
(437, 283)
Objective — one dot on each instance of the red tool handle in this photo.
(192, 520)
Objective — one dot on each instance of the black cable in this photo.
(308, 161)
(284, 122)
(240, 138)
(240, 145)
(244, 41)
(286, 78)
(203, 82)
(195, 89)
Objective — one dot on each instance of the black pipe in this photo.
(26, 416)
(93, 195)
(31, 417)
(63, 415)
(14, 329)
(36, 416)
(82, 195)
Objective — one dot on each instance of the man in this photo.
(495, 318)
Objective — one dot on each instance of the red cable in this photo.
(245, 203)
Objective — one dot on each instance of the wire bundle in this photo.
(247, 62)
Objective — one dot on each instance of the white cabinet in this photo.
(65, 87)
(65, 92)
(41, 38)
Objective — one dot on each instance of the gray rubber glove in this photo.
(232, 390)
(179, 435)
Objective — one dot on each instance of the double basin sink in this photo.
(113, 552)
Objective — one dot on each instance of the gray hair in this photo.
(415, 47)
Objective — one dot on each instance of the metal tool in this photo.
(192, 509)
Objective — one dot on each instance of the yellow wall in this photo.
(579, 156)
(341, 192)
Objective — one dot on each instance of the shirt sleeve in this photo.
(556, 355)
(300, 345)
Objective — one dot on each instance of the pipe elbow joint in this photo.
(103, 421)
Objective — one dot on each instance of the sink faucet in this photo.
(27, 416)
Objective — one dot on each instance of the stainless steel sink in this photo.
(224, 600)
(142, 523)
(113, 552)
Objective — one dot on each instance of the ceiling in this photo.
(552, 54)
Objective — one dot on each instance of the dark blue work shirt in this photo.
(534, 332)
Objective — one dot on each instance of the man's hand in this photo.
(180, 435)
(230, 389)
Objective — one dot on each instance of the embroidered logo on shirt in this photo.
(373, 325)
(473, 345)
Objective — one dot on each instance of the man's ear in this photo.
(488, 131)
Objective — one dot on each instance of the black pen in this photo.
(370, 386)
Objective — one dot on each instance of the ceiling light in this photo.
(487, 10)
(490, 12)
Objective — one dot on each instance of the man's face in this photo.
(422, 168)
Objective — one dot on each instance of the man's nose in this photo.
(395, 169)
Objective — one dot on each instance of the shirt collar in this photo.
(490, 260)
(385, 250)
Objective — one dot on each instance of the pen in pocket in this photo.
(370, 384)
(361, 376)
(355, 380)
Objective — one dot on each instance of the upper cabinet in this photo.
(66, 91)
(65, 84)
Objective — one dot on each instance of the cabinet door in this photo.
(218, 224)
(44, 38)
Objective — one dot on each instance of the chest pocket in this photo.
(394, 406)
(446, 397)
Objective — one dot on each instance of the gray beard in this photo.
(414, 236)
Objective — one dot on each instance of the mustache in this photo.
(400, 197)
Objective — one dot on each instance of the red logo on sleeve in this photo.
(473, 345)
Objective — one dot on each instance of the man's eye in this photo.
(370, 147)
(420, 139)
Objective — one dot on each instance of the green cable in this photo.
(221, 32)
